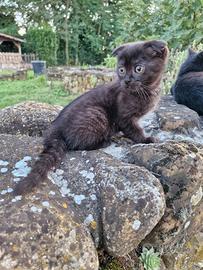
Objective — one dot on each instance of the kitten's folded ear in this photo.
(157, 48)
(191, 52)
(116, 51)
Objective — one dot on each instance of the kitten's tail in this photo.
(49, 158)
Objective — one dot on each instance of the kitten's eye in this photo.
(139, 69)
(122, 71)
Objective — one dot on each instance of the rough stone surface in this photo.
(27, 118)
(179, 166)
(118, 202)
(173, 121)
(178, 118)
(112, 194)
(39, 231)
(79, 81)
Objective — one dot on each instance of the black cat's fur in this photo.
(188, 88)
(89, 121)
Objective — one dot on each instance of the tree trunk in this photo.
(66, 33)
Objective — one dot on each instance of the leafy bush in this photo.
(110, 61)
(42, 41)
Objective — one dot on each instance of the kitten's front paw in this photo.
(151, 140)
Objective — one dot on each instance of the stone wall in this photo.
(119, 199)
(78, 80)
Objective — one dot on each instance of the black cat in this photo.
(89, 121)
(188, 88)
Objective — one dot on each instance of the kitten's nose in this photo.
(127, 80)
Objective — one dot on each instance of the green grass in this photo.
(6, 71)
(33, 89)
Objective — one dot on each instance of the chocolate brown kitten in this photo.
(89, 121)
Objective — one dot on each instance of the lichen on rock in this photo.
(116, 199)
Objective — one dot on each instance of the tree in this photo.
(177, 22)
(84, 28)
(43, 42)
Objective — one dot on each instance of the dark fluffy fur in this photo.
(188, 88)
(89, 121)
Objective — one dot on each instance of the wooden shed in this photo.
(12, 40)
(10, 51)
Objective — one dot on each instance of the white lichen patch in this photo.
(115, 151)
(93, 197)
(136, 225)
(3, 163)
(84, 153)
(61, 183)
(79, 198)
(10, 190)
(36, 209)
(192, 155)
(20, 164)
(59, 172)
(88, 219)
(196, 198)
(17, 198)
(8, 262)
(55, 178)
(16, 179)
(21, 168)
(27, 158)
(52, 193)
(72, 158)
(89, 175)
(187, 224)
(45, 204)
(4, 170)
(5, 191)
(65, 190)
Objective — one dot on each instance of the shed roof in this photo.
(12, 38)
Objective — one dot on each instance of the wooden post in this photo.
(18, 45)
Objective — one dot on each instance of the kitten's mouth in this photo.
(132, 85)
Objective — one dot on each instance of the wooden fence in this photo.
(27, 58)
(16, 60)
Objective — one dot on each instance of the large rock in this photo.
(39, 231)
(173, 121)
(117, 202)
(176, 117)
(169, 121)
(27, 118)
(179, 166)
(113, 194)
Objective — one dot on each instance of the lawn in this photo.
(33, 89)
(6, 71)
